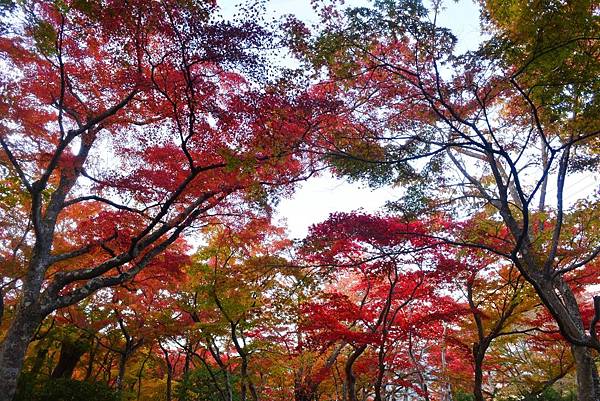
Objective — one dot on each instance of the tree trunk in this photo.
(307, 389)
(38, 362)
(350, 378)
(122, 365)
(29, 314)
(241, 350)
(70, 354)
(585, 371)
(92, 357)
(14, 347)
(378, 386)
(585, 367)
(169, 366)
(478, 356)
(108, 368)
(140, 374)
(188, 356)
(1, 305)
(562, 305)
(169, 384)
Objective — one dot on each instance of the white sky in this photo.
(316, 198)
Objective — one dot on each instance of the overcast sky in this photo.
(316, 198)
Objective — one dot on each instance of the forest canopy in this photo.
(145, 146)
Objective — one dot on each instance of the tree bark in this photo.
(1, 304)
(478, 356)
(140, 375)
(38, 362)
(568, 316)
(214, 351)
(169, 367)
(14, 347)
(122, 366)
(70, 354)
(307, 389)
(92, 357)
(125, 354)
(169, 379)
(350, 378)
(585, 371)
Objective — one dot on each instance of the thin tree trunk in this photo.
(140, 374)
(188, 355)
(420, 377)
(122, 366)
(478, 356)
(40, 357)
(92, 358)
(108, 368)
(169, 371)
(378, 386)
(350, 378)
(103, 365)
(307, 390)
(241, 350)
(1, 304)
(214, 352)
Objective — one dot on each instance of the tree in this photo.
(239, 296)
(124, 124)
(500, 305)
(381, 297)
(487, 131)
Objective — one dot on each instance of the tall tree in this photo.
(240, 296)
(381, 298)
(491, 130)
(122, 124)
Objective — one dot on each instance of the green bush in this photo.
(32, 389)
(461, 395)
(200, 385)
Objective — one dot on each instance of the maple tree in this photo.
(242, 287)
(491, 130)
(381, 300)
(435, 344)
(144, 143)
(123, 124)
(502, 308)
